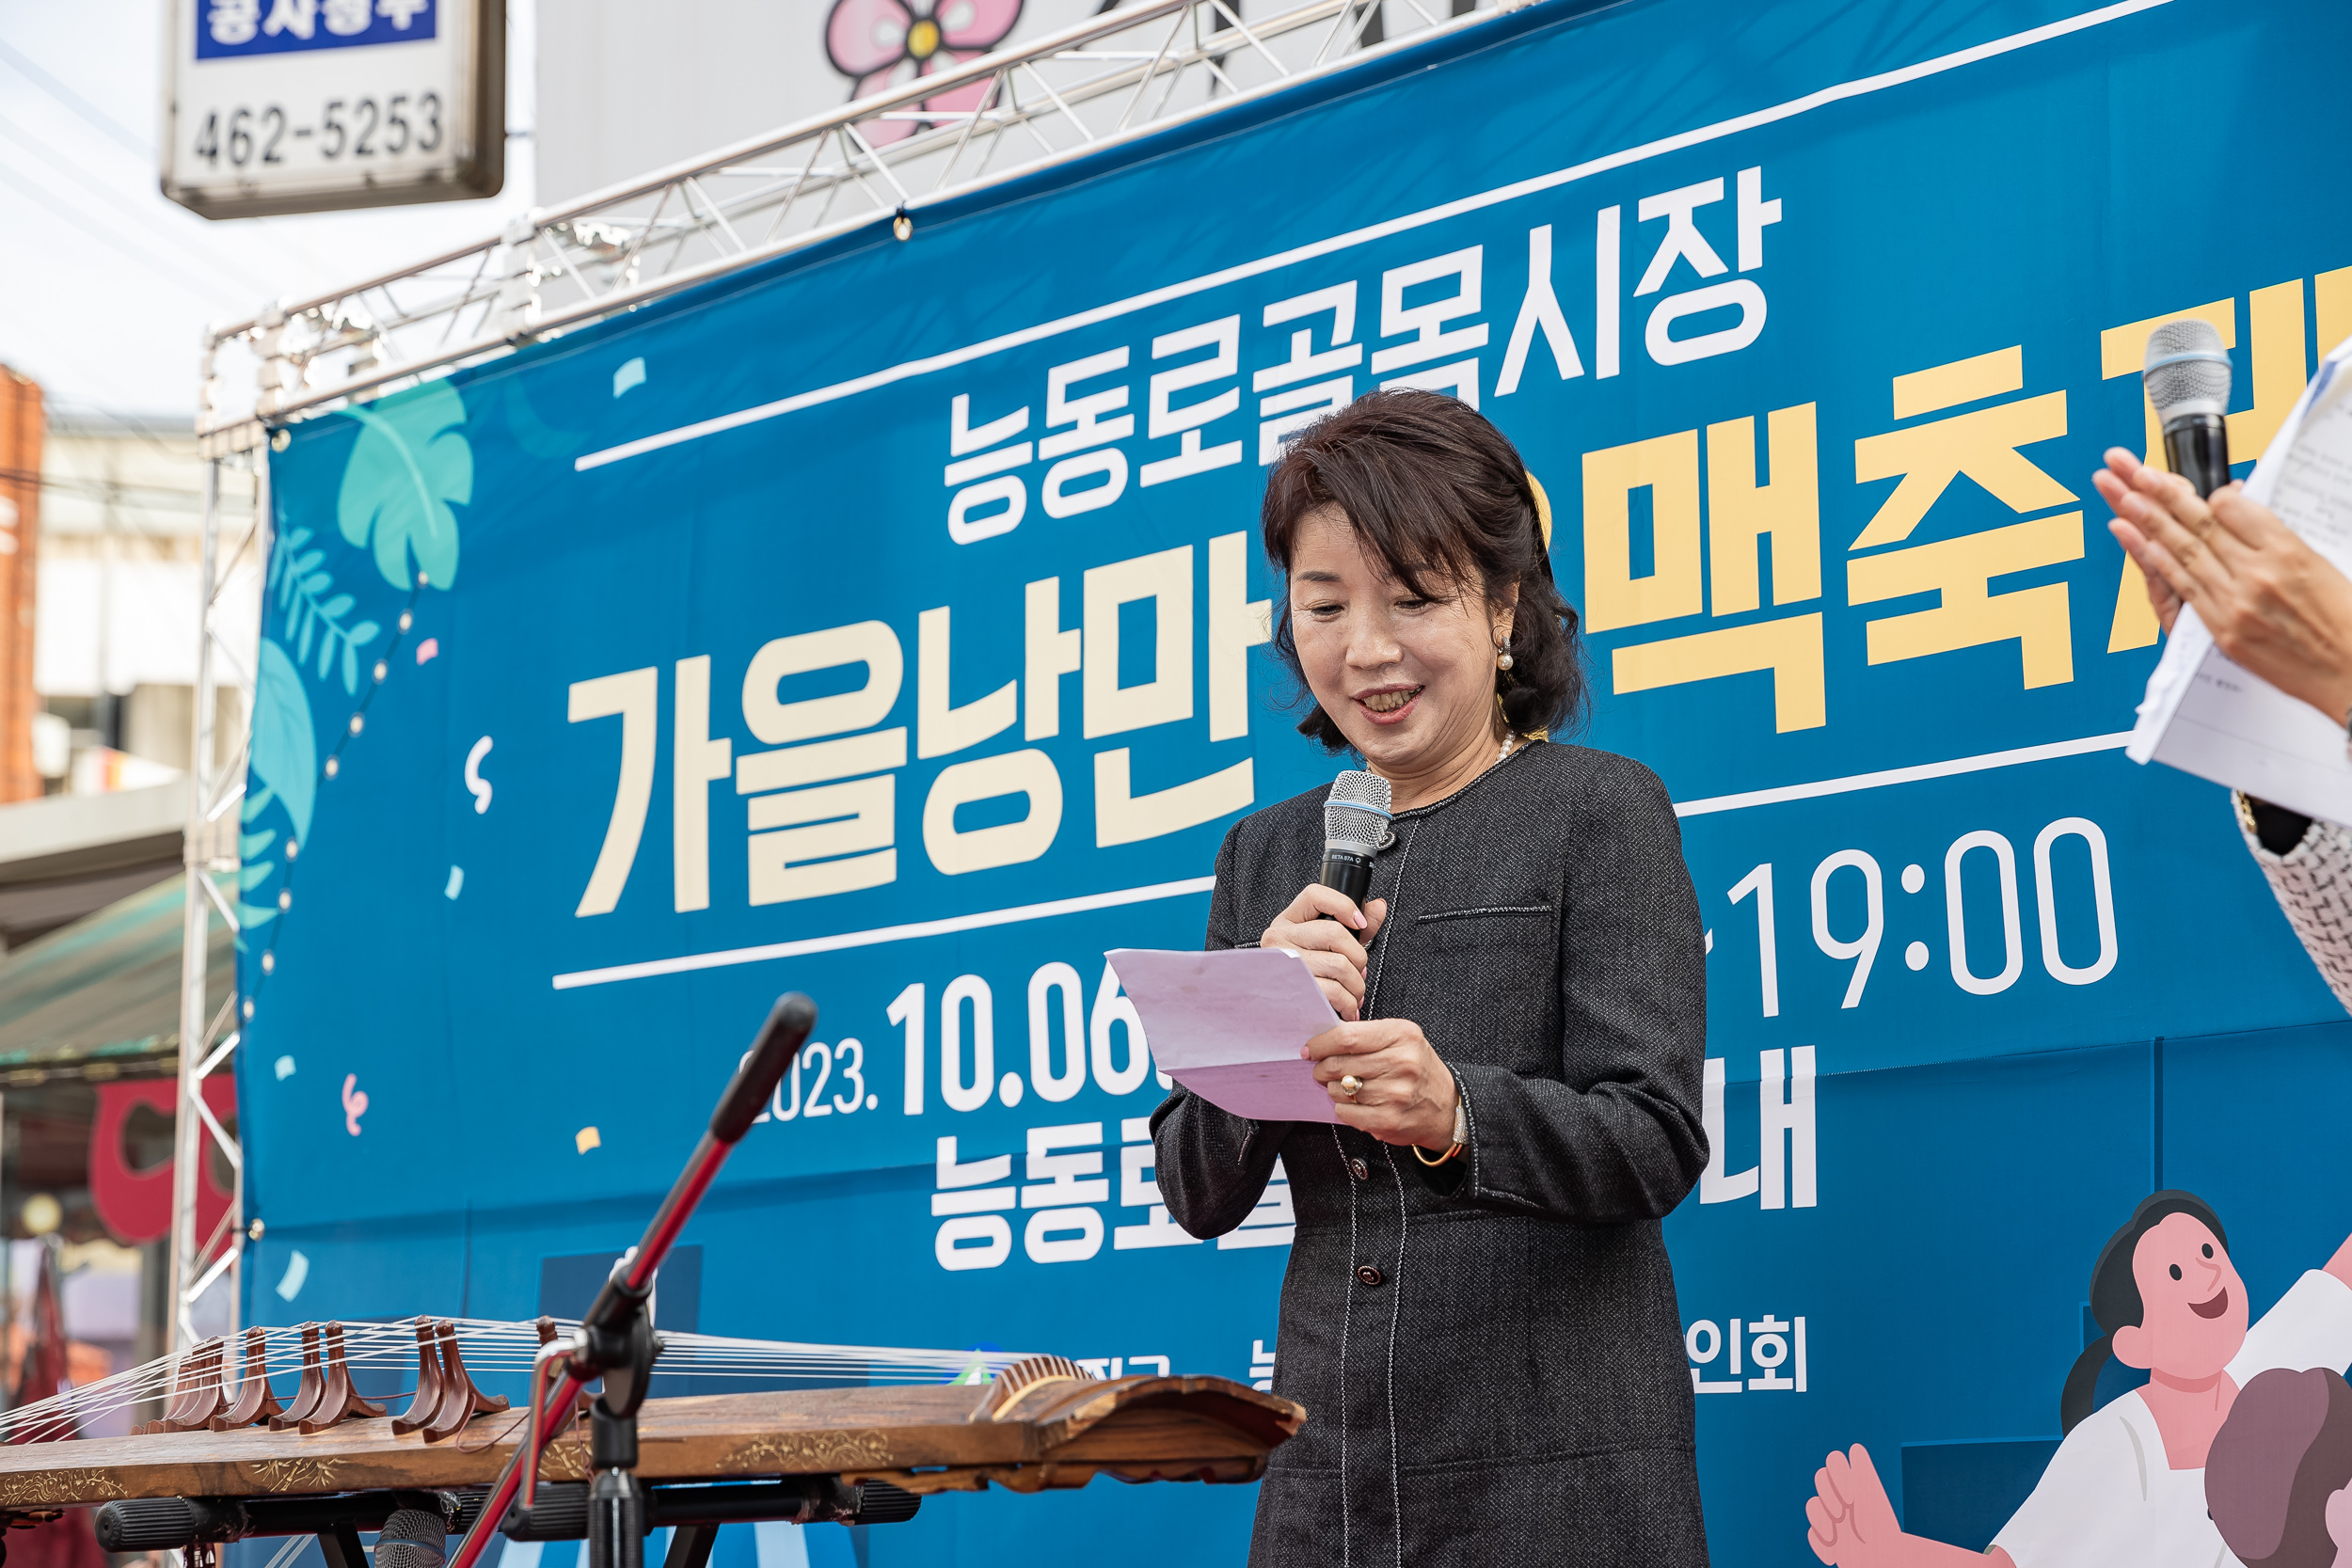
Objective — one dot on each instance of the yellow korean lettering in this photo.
(1981, 445)
(1668, 467)
(2331, 301)
(1740, 512)
(1970, 615)
(1789, 648)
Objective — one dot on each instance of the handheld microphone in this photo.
(1354, 826)
(2187, 378)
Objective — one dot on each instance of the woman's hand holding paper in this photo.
(2273, 604)
(1408, 1095)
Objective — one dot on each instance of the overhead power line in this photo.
(74, 101)
(223, 271)
(212, 300)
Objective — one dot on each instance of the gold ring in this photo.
(1349, 1085)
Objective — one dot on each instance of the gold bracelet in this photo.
(1422, 1155)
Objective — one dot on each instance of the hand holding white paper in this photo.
(1229, 1026)
(2205, 715)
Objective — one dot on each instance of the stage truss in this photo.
(1114, 78)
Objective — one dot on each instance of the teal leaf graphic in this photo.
(410, 464)
(363, 634)
(249, 846)
(285, 748)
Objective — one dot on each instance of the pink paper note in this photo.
(1229, 1026)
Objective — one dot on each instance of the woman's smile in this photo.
(2214, 1308)
(1388, 704)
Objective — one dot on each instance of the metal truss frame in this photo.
(210, 1030)
(1098, 84)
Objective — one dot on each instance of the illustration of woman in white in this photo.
(2128, 1486)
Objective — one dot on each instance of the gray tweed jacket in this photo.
(1489, 1352)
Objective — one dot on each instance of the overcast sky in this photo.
(105, 286)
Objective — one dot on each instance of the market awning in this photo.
(100, 999)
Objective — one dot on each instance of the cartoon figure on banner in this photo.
(2279, 1482)
(879, 42)
(2128, 1484)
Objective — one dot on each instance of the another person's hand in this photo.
(1853, 1524)
(2273, 604)
(1333, 949)
(1408, 1095)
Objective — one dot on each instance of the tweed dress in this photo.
(1489, 1352)
(2312, 882)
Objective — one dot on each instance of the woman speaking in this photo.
(1479, 1315)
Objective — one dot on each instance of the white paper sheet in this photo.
(1229, 1026)
(2205, 715)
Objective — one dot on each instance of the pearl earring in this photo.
(1503, 658)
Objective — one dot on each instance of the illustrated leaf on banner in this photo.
(285, 747)
(252, 917)
(410, 464)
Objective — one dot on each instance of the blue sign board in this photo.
(888, 623)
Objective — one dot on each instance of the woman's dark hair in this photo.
(1440, 496)
(2115, 1299)
(2285, 1451)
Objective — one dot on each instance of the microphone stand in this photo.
(615, 1340)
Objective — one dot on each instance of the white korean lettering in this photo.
(1427, 321)
(1223, 339)
(1788, 1171)
(1028, 773)
(299, 17)
(970, 476)
(1237, 623)
(1539, 309)
(977, 1235)
(1049, 652)
(696, 761)
(1058, 1230)
(940, 726)
(1682, 241)
(813, 842)
(233, 22)
(1755, 212)
(634, 697)
(1285, 414)
(1091, 429)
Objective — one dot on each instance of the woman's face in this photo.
(1410, 681)
(2193, 1317)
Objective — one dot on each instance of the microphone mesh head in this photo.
(413, 1538)
(2187, 369)
(1356, 813)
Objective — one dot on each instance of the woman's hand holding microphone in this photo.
(1404, 1094)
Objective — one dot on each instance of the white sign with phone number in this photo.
(308, 105)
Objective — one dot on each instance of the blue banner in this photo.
(890, 624)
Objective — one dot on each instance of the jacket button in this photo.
(1367, 1274)
(1356, 1168)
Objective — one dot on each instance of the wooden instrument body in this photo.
(1058, 1433)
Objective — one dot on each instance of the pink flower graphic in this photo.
(877, 43)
